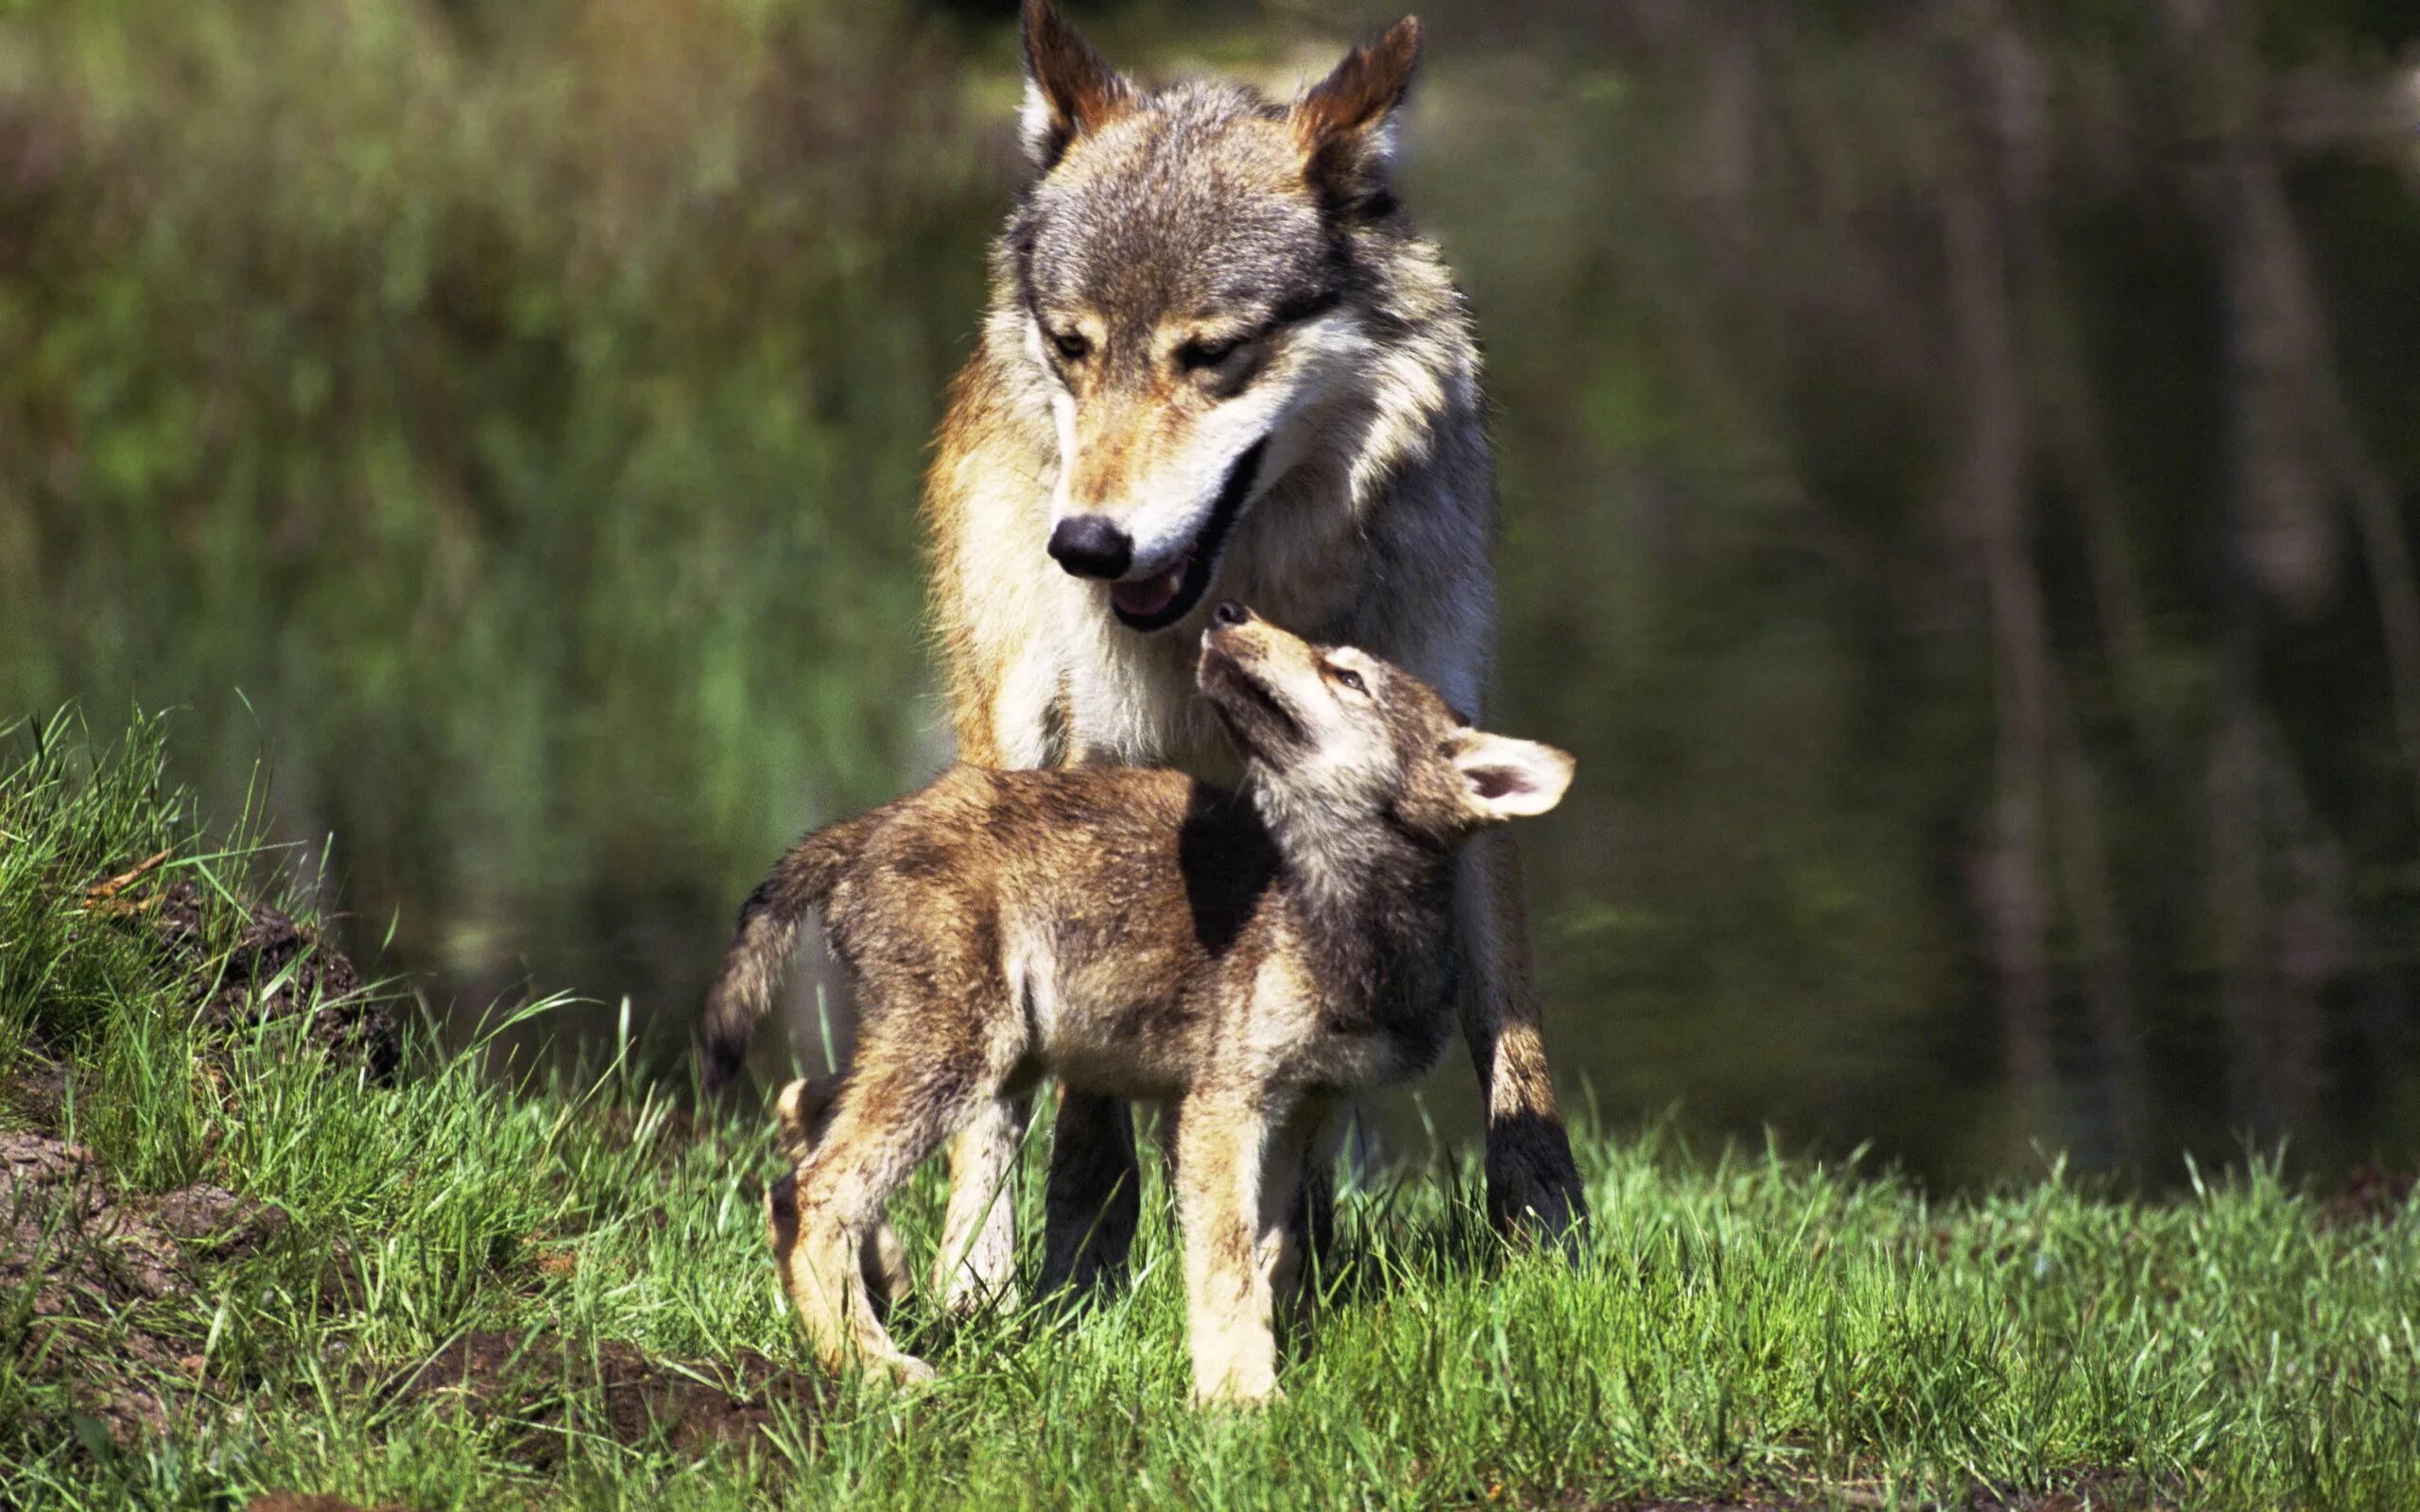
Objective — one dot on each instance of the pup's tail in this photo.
(760, 946)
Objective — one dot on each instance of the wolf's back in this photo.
(760, 945)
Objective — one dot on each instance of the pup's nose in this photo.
(1229, 612)
(1091, 545)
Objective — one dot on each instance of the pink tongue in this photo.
(1147, 597)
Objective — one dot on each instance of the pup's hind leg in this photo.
(889, 1115)
(801, 1114)
(978, 1232)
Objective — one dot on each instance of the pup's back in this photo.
(1065, 887)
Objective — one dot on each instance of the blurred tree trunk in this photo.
(2294, 444)
(1991, 485)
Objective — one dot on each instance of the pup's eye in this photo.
(1071, 345)
(1349, 677)
(1198, 354)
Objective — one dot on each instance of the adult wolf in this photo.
(1217, 353)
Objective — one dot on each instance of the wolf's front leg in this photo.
(1093, 1198)
(1532, 1183)
(1233, 1233)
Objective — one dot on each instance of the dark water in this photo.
(1958, 480)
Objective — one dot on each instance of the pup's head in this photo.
(1334, 734)
(1185, 270)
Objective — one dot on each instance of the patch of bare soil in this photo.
(2090, 1491)
(35, 1096)
(96, 1268)
(2371, 1193)
(303, 1501)
(278, 971)
(551, 1386)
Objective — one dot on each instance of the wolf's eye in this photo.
(1349, 677)
(1198, 353)
(1071, 345)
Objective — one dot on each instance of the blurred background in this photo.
(1959, 467)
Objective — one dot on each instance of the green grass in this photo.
(1743, 1326)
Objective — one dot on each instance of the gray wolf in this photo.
(1252, 958)
(1218, 354)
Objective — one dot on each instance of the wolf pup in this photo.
(1252, 959)
(1219, 362)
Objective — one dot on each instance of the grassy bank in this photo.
(1745, 1327)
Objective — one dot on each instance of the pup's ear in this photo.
(1345, 123)
(1505, 778)
(1069, 90)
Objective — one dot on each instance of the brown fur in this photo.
(1205, 217)
(1250, 958)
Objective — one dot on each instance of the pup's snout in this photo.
(1091, 545)
(1229, 612)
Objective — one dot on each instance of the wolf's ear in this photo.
(1505, 778)
(1345, 123)
(1069, 90)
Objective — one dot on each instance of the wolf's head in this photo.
(1188, 264)
(1335, 739)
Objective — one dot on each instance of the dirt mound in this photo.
(552, 1386)
(277, 971)
(97, 1265)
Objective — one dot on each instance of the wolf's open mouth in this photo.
(1156, 603)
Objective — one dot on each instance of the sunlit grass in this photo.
(1741, 1325)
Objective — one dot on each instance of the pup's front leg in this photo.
(1222, 1140)
(1302, 1207)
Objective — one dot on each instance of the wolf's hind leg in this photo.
(978, 1233)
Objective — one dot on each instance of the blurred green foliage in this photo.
(485, 401)
(523, 406)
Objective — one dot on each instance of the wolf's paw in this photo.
(1533, 1189)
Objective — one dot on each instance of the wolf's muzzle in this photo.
(1091, 545)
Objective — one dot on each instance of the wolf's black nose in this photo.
(1229, 612)
(1091, 545)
